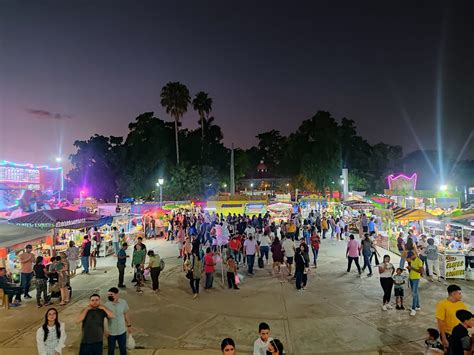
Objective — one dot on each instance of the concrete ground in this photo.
(339, 313)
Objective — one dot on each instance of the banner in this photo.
(451, 266)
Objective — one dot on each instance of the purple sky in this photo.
(69, 70)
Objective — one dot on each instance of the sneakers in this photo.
(402, 307)
(195, 295)
(369, 275)
(389, 306)
(412, 312)
(384, 308)
(397, 307)
(417, 309)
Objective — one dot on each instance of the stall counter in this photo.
(452, 265)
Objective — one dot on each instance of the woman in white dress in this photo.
(51, 337)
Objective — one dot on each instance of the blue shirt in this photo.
(122, 257)
(371, 226)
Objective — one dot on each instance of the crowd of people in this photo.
(235, 243)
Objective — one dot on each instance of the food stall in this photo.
(13, 240)
(280, 211)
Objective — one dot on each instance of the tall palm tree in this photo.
(175, 99)
(202, 103)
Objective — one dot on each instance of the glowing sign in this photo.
(20, 175)
(402, 182)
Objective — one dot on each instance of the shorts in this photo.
(399, 292)
(289, 260)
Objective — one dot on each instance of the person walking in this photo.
(27, 260)
(353, 253)
(366, 247)
(301, 268)
(121, 262)
(231, 272)
(85, 254)
(315, 244)
(115, 240)
(415, 265)
(288, 247)
(446, 313)
(72, 254)
(120, 324)
(324, 226)
(264, 245)
(386, 270)
(138, 258)
(62, 268)
(92, 319)
(41, 277)
(155, 269)
(51, 336)
(209, 268)
(195, 266)
(277, 255)
(250, 249)
(432, 259)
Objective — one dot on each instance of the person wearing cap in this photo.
(460, 343)
(27, 260)
(446, 312)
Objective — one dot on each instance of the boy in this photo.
(139, 278)
(399, 280)
(433, 345)
(231, 272)
(460, 343)
(260, 346)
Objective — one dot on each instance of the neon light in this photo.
(393, 177)
(31, 166)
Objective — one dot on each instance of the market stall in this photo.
(280, 211)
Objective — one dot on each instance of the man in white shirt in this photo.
(288, 247)
(250, 230)
(260, 346)
(250, 249)
(115, 240)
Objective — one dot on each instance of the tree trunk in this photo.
(176, 138)
(202, 128)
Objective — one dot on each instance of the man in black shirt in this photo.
(460, 343)
(92, 319)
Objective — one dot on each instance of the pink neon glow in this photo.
(6, 162)
(393, 177)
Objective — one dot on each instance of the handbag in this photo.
(236, 279)
(189, 274)
(130, 342)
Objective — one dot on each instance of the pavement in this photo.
(339, 313)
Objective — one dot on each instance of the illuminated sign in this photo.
(20, 175)
(402, 182)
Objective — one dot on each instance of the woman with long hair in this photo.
(228, 346)
(154, 267)
(51, 336)
(277, 255)
(63, 278)
(275, 347)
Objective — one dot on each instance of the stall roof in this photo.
(11, 234)
(406, 214)
(47, 219)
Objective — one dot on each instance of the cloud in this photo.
(38, 113)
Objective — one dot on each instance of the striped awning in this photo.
(406, 214)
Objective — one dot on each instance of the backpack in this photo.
(162, 264)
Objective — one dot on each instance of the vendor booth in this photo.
(280, 211)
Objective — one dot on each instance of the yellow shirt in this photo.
(415, 264)
(446, 311)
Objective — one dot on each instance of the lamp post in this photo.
(81, 197)
(251, 185)
(225, 187)
(287, 188)
(160, 183)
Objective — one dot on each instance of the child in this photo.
(459, 341)
(139, 277)
(231, 272)
(433, 345)
(399, 280)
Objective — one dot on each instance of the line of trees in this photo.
(195, 163)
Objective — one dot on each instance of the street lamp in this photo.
(160, 183)
(58, 159)
(251, 185)
(443, 188)
(225, 187)
(81, 196)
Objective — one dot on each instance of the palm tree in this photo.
(175, 99)
(202, 103)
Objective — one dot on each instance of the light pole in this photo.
(225, 187)
(160, 183)
(287, 188)
(81, 197)
(251, 185)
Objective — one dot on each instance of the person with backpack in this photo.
(415, 265)
(432, 261)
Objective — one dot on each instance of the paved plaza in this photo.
(339, 313)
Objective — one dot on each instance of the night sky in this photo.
(72, 69)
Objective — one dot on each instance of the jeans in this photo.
(387, 284)
(155, 274)
(301, 279)
(349, 263)
(194, 283)
(236, 255)
(116, 247)
(122, 343)
(402, 260)
(414, 291)
(41, 288)
(367, 262)
(209, 280)
(85, 263)
(250, 263)
(324, 233)
(25, 282)
(264, 252)
(91, 349)
(425, 262)
(315, 255)
(121, 270)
